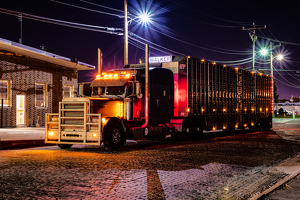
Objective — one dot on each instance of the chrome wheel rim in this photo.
(116, 136)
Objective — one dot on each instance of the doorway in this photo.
(21, 110)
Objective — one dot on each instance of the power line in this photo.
(102, 6)
(64, 23)
(120, 16)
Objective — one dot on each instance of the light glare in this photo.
(145, 18)
(264, 52)
(280, 57)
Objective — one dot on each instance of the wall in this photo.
(24, 72)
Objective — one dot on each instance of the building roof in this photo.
(39, 54)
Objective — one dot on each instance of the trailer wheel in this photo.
(115, 134)
(198, 130)
(186, 131)
(64, 146)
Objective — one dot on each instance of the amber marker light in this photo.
(214, 128)
(252, 124)
(202, 60)
(245, 125)
(224, 127)
(127, 76)
(236, 126)
(188, 109)
(50, 133)
(214, 63)
(267, 109)
(252, 109)
(98, 76)
(115, 75)
(103, 120)
(94, 135)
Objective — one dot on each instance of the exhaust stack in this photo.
(147, 82)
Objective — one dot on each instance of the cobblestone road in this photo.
(232, 166)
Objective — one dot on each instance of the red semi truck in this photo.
(176, 95)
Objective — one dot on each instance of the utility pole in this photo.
(272, 78)
(253, 37)
(99, 62)
(125, 34)
(20, 19)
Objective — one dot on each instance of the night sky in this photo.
(210, 30)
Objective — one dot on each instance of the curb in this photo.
(281, 182)
(15, 144)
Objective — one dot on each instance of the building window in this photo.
(68, 91)
(5, 92)
(40, 95)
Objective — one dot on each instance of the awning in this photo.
(24, 50)
(109, 82)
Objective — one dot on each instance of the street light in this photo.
(143, 17)
(279, 57)
(264, 52)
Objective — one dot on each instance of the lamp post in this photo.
(143, 18)
(279, 57)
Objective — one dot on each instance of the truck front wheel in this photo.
(115, 136)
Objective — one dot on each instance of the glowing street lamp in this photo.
(279, 57)
(144, 18)
(264, 52)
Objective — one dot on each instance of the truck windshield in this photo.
(116, 90)
(98, 90)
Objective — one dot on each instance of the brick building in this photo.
(32, 82)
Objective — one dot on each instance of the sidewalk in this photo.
(12, 138)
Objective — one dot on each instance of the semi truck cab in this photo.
(118, 102)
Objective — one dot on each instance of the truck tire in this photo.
(198, 130)
(65, 146)
(115, 136)
(266, 124)
(186, 133)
